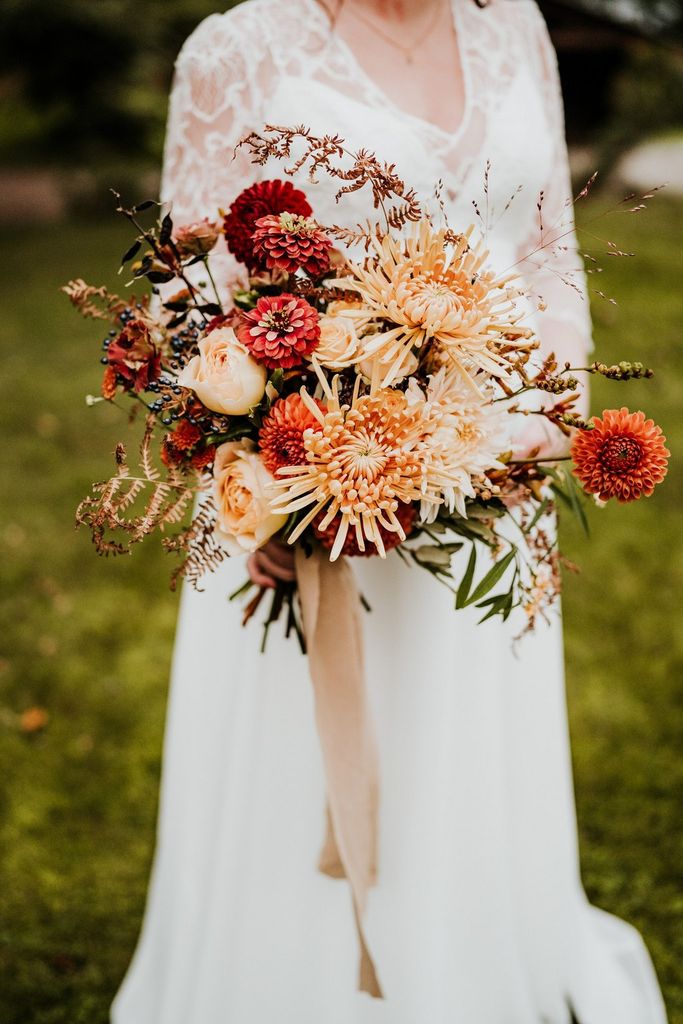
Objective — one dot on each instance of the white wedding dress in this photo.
(479, 915)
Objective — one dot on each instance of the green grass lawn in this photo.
(90, 643)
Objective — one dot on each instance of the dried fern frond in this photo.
(202, 552)
(328, 153)
(96, 303)
(107, 512)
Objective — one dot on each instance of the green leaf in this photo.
(466, 582)
(277, 379)
(540, 512)
(492, 577)
(436, 556)
(566, 488)
(501, 604)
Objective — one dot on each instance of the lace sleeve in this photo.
(553, 264)
(215, 101)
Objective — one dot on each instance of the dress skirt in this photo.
(478, 916)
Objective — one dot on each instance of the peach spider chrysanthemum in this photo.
(622, 457)
(428, 288)
(362, 461)
(465, 433)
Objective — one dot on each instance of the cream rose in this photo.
(244, 519)
(224, 376)
(338, 345)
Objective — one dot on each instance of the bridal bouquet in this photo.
(353, 393)
(350, 392)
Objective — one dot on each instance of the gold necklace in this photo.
(409, 52)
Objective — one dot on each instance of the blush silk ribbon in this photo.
(330, 605)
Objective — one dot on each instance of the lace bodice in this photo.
(278, 61)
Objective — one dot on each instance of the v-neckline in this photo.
(451, 136)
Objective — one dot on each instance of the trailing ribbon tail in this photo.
(330, 606)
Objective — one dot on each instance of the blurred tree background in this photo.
(84, 80)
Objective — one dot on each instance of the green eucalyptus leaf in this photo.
(495, 573)
(466, 582)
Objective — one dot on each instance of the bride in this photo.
(478, 915)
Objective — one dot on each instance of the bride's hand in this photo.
(272, 563)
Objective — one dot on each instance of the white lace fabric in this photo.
(268, 57)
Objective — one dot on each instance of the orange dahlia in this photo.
(290, 242)
(406, 515)
(281, 331)
(185, 436)
(622, 457)
(182, 444)
(281, 438)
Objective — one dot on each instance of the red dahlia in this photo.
(134, 356)
(281, 438)
(290, 242)
(280, 331)
(260, 200)
(622, 457)
(406, 515)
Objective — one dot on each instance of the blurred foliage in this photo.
(646, 100)
(89, 642)
(88, 80)
(656, 16)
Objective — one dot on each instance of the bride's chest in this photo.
(504, 127)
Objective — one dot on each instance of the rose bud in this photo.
(196, 239)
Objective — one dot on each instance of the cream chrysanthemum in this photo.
(464, 436)
(426, 288)
(362, 460)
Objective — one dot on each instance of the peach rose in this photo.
(240, 486)
(338, 345)
(224, 376)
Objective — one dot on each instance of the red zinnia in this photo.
(260, 200)
(622, 457)
(281, 438)
(406, 515)
(290, 242)
(280, 331)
